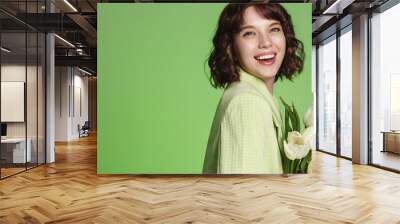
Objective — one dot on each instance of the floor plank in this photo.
(70, 191)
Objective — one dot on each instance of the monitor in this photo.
(3, 129)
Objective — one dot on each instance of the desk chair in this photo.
(84, 130)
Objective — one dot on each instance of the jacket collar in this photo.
(259, 85)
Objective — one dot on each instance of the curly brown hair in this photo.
(223, 60)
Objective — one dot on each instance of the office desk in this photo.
(15, 148)
(391, 141)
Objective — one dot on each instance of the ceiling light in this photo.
(337, 7)
(84, 71)
(64, 40)
(71, 6)
(333, 6)
(5, 50)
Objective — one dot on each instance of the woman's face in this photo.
(260, 45)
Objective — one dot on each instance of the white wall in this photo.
(80, 109)
(13, 72)
(62, 81)
(71, 102)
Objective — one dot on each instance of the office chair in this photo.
(84, 130)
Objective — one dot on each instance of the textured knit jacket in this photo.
(243, 136)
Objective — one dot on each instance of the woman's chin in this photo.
(266, 75)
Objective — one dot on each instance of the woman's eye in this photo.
(249, 33)
(276, 29)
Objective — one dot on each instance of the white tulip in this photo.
(289, 151)
(295, 137)
(294, 151)
(298, 145)
(309, 117)
(308, 136)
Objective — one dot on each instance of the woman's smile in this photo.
(266, 58)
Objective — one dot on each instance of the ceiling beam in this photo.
(85, 61)
(86, 26)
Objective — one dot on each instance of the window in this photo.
(385, 89)
(346, 92)
(327, 95)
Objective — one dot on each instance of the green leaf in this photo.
(297, 119)
(287, 125)
(284, 103)
(293, 122)
(306, 163)
(303, 166)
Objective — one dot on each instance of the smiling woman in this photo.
(254, 46)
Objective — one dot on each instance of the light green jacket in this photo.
(243, 137)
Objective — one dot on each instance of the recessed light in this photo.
(64, 40)
(84, 71)
(70, 5)
(5, 50)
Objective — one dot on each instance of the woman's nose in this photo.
(264, 41)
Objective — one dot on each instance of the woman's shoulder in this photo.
(241, 91)
(241, 95)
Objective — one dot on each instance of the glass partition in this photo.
(327, 95)
(41, 86)
(22, 88)
(32, 84)
(13, 94)
(31, 100)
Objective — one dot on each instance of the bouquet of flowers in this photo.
(295, 145)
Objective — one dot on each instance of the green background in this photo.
(155, 101)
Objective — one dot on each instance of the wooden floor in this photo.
(387, 159)
(5, 172)
(8, 171)
(70, 191)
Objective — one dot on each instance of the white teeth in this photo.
(263, 57)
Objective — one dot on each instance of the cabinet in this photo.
(391, 142)
(13, 150)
